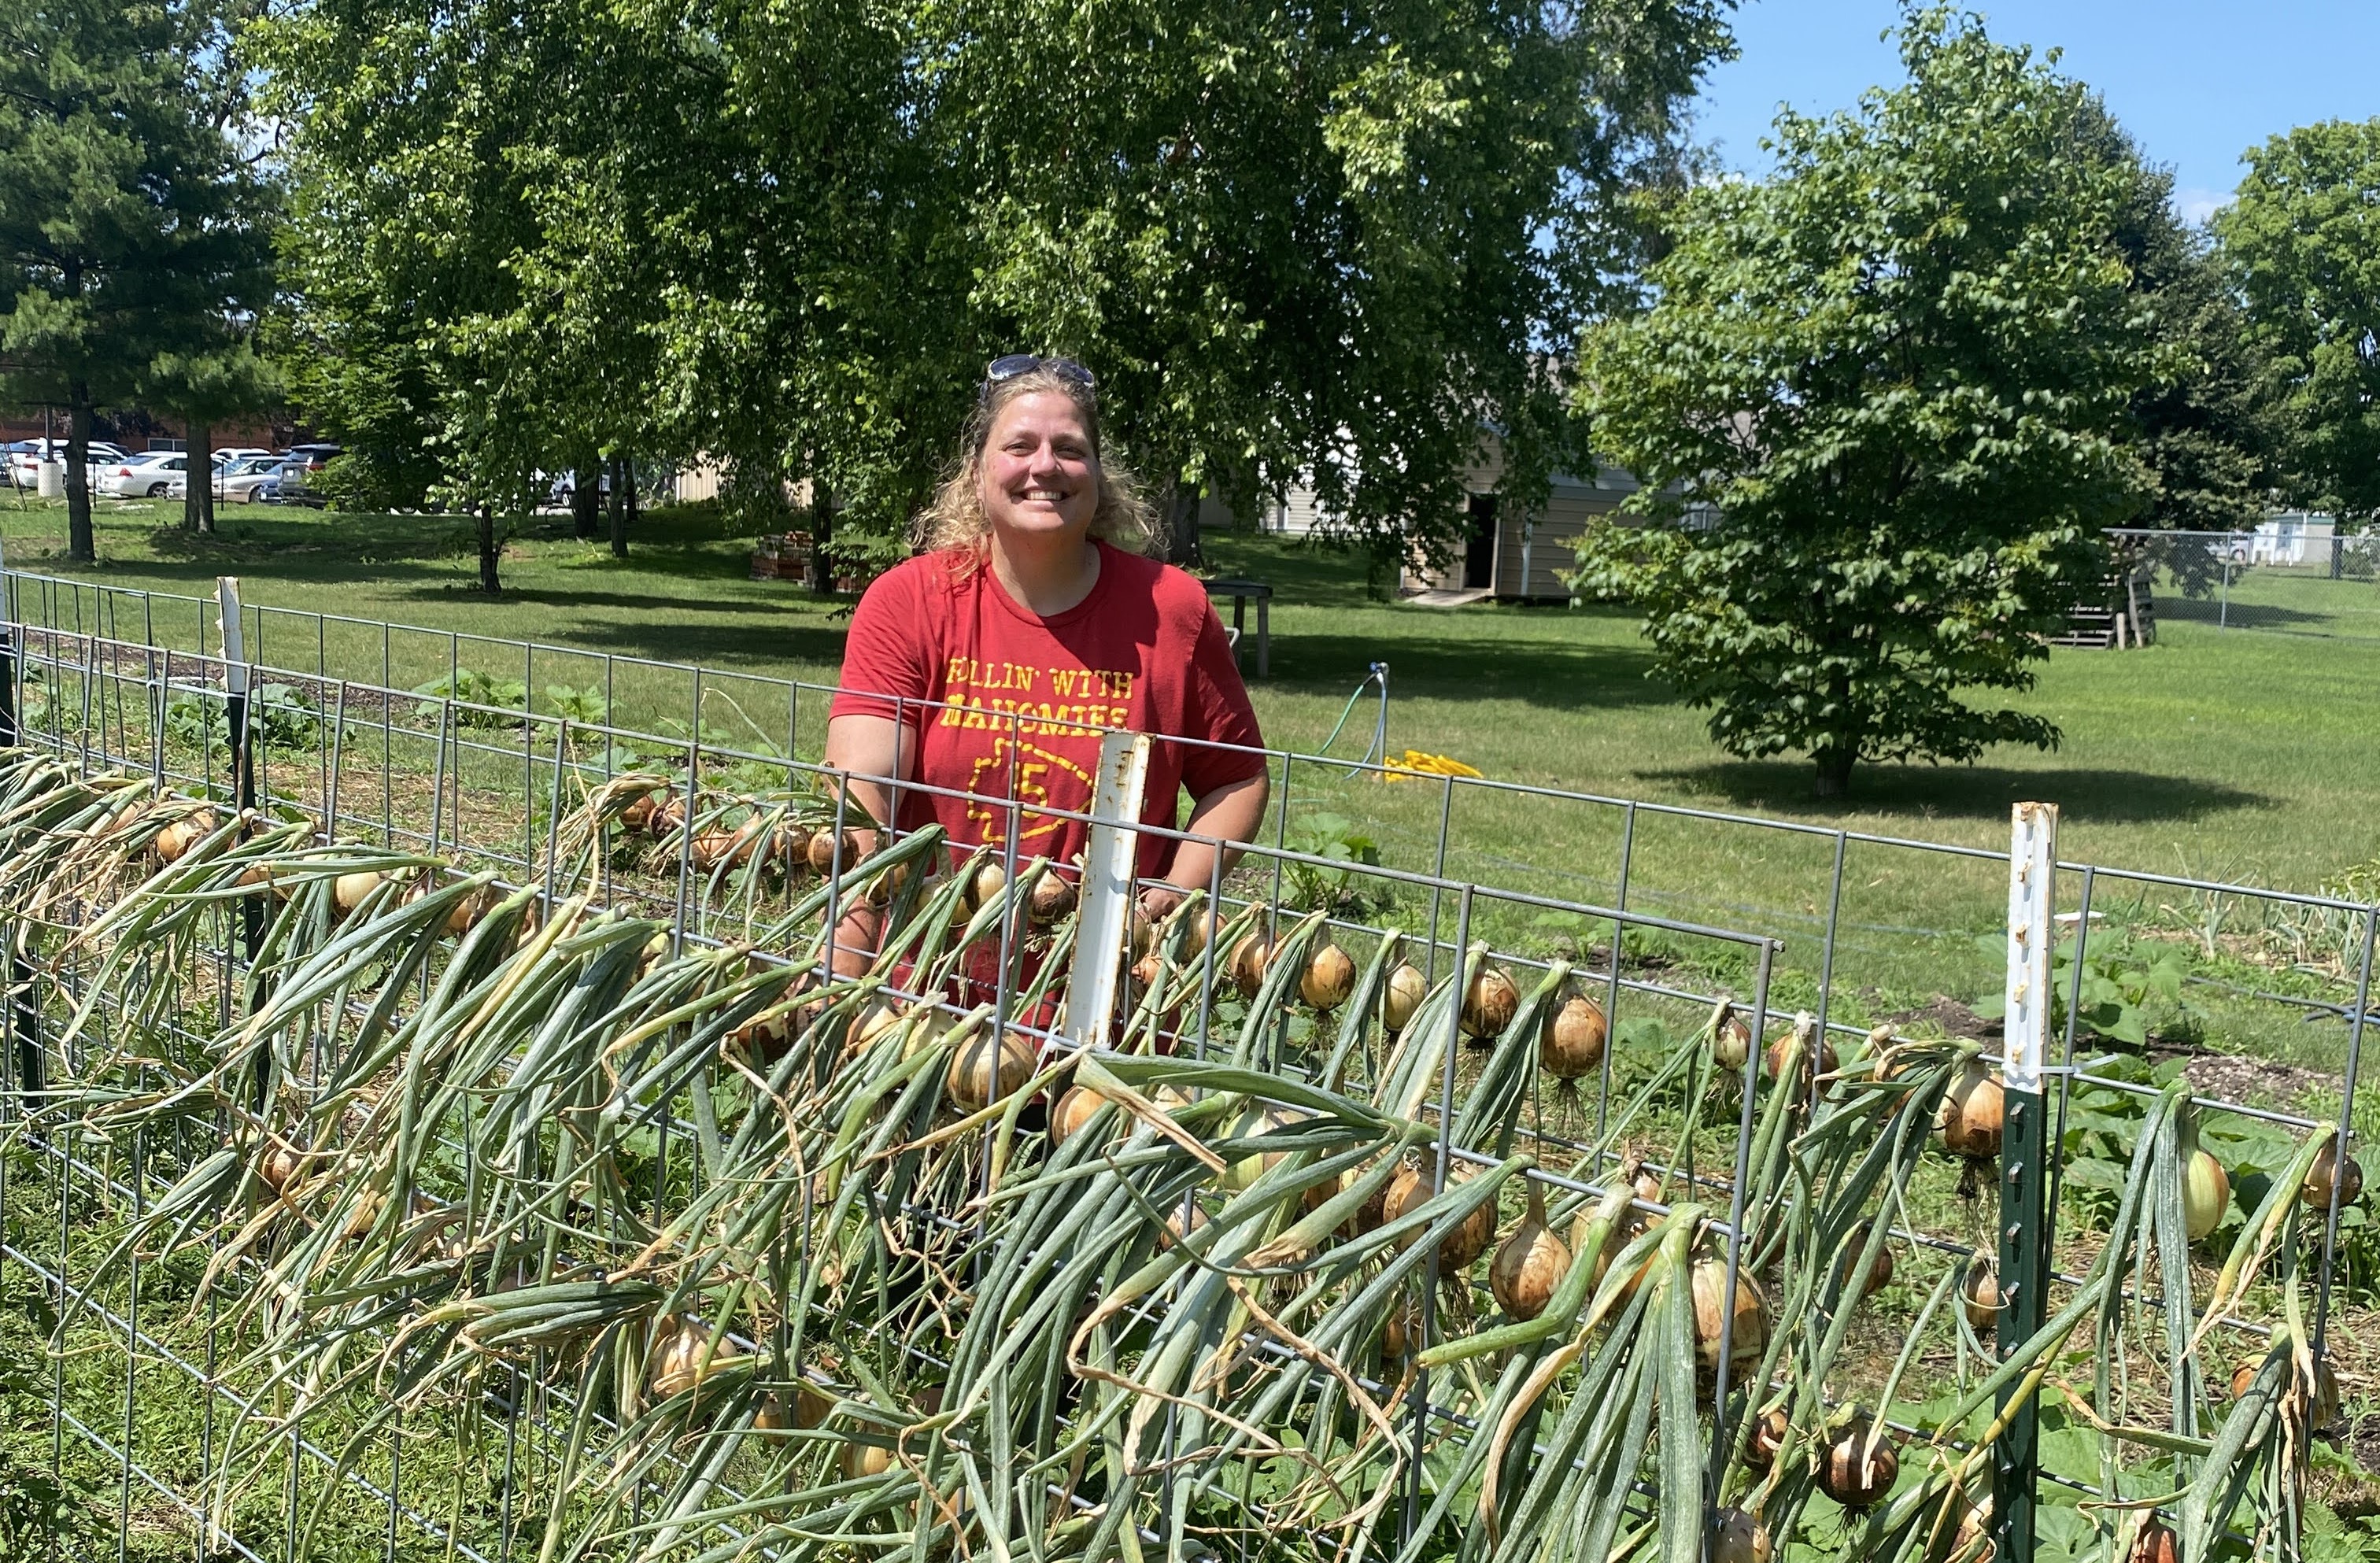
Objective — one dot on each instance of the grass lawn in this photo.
(2239, 756)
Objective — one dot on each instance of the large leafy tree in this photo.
(134, 227)
(1326, 247)
(2303, 236)
(1895, 378)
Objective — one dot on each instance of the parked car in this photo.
(25, 458)
(297, 471)
(239, 453)
(151, 476)
(241, 480)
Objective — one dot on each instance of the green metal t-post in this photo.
(2025, 1163)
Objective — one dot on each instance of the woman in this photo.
(1031, 622)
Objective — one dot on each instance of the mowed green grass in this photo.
(2246, 757)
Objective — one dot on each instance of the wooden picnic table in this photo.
(1241, 591)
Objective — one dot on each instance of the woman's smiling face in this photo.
(1040, 481)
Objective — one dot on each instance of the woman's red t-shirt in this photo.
(1014, 704)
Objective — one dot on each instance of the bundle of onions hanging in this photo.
(984, 1071)
(1739, 1537)
(1328, 979)
(1861, 1464)
(1405, 989)
(1489, 1003)
(1530, 1264)
(1411, 1188)
(1979, 1295)
(1747, 1337)
(2324, 1174)
(1973, 1108)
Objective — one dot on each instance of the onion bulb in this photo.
(1074, 1110)
(351, 891)
(1489, 1003)
(1530, 1264)
(174, 842)
(278, 1166)
(821, 851)
(1979, 1295)
(863, 1460)
(2324, 1171)
(1730, 1038)
(637, 814)
(666, 817)
(1053, 897)
(1769, 1430)
(1256, 1124)
(1401, 1329)
(1251, 958)
(1407, 987)
(1878, 1275)
(985, 885)
(1748, 1337)
(2155, 1543)
(1329, 977)
(983, 1071)
(1409, 1190)
(680, 1363)
(1816, 1060)
(1971, 1111)
(710, 849)
(1738, 1537)
(1853, 1473)
(1572, 1045)
(2205, 1194)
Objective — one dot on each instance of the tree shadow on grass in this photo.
(1553, 674)
(797, 638)
(1921, 792)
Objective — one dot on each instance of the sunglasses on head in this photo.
(1003, 369)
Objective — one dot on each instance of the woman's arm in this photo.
(1231, 814)
(866, 748)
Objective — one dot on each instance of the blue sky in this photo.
(2196, 81)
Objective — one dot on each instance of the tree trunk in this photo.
(622, 498)
(489, 553)
(80, 546)
(1178, 508)
(586, 497)
(198, 493)
(821, 534)
(1835, 768)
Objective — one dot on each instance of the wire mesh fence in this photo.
(449, 1122)
(2297, 574)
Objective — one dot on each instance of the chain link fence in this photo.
(2299, 576)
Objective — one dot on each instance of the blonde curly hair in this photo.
(956, 522)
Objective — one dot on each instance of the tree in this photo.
(2202, 427)
(133, 231)
(2303, 238)
(204, 387)
(1895, 376)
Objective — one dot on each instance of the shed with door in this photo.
(1513, 556)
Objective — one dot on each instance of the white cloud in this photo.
(2198, 204)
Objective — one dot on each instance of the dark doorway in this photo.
(1479, 554)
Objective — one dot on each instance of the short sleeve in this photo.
(888, 656)
(1218, 712)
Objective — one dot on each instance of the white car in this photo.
(24, 459)
(151, 476)
(239, 453)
